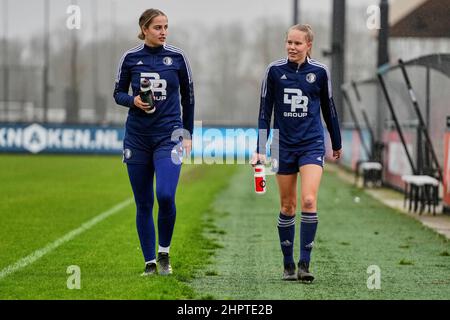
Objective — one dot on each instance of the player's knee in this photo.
(165, 199)
(309, 202)
(288, 208)
(144, 207)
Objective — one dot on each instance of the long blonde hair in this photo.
(307, 29)
(146, 18)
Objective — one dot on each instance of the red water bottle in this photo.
(260, 178)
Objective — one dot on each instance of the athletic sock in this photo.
(286, 231)
(308, 227)
(163, 249)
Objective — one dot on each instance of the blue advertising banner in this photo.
(38, 138)
(209, 144)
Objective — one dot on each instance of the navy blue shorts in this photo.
(145, 149)
(289, 162)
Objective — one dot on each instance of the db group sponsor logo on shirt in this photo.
(296, 99)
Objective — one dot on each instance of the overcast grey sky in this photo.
(25, 17)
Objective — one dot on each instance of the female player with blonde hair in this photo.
(296, 89)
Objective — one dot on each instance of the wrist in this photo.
(132, 102)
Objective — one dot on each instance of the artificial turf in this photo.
(225, 243)
(352, 236)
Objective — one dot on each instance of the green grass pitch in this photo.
(225, 241)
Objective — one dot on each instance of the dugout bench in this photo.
(420, 191)
(370, 171)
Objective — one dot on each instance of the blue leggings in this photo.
(141, 178)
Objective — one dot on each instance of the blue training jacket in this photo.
(297, 93)
(167, 68)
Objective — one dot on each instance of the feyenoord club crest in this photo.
(167, 61)
(311, 77)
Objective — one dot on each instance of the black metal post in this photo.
(95, 67)
(366, 119)
(383, 57)
(419, 115)
(72, 109)
(397, 124)
(338, 54)
(295, 12)
(114, 30)
(427, 159)
(419, 150)
(45, 86)
(383, 34)
(5, 61)
(355, 121)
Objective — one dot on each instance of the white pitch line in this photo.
(22, 263)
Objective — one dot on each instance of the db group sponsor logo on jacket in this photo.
(36, 138)
(296, 99)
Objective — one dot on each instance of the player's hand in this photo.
(140, 104)
(258, 157)
(337, 154)
(187, 147)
